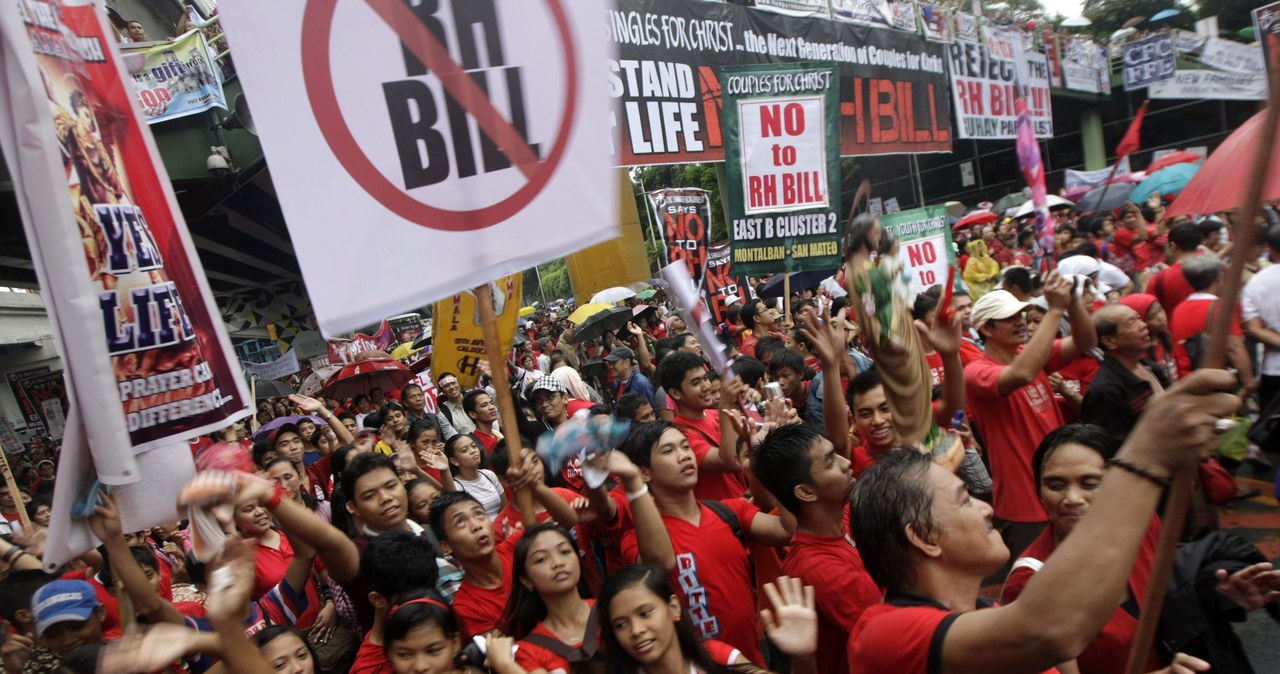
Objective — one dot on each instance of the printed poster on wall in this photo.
(684, 218)
(457, 341)
(723, 282)
(668, 98)
(174, 79)
(985, 90)
(137, 327)
(782, 163)
(30, 411)
(925, 244)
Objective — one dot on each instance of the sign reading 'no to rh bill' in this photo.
(446, 137)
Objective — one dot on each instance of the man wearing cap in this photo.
(68, 615)
(622, 362)
(1011, 399)
(554, 407)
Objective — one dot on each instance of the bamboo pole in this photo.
(506, 405)
(1174, 518)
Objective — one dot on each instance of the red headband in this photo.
(423, 600)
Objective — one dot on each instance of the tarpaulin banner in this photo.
(1053, 52)
(43, 388)
(721, 283)
(281, 367)
(30, 413)
(137, 327)
(684, 216)
(174, 79)
(1232, 56)
(864, 12)
(936, 23)
(1073, 178)
(1148, 60)
(924, 244)
(1266, 25)
(985, 90)
(457, 342)
(782, 163)
(1085, 67)
(1211, 84)
(669, 99)
(343, 351)
(454, 130)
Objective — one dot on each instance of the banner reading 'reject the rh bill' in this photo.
(142, 340)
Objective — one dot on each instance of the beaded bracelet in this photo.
(1140, 471)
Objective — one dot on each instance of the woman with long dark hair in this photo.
(468, 474)
(421, 634)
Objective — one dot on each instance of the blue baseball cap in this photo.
(62, 601)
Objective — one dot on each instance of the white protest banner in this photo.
(281, 367)
(458, 130)
(9, 441)
(1073, 178)
(1232, 56)
(1001, 40)
(891, 205)
(902, 15)
(1148, 60)
(1085, 67)
(966, 27)
(875, 206)
(148, 362)
(984, 90)
(925, 244)
(866, 12)
(1211, 84)
(53, 414)
(1186, 42)
(175, 78)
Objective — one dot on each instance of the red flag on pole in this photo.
(1133, 137)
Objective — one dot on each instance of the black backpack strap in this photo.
(726, 513)
(574, 654)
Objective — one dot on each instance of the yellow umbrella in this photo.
(527, 311)
(586, 311)
(404, 351)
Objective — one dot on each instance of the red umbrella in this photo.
(1179, 157)
(975, 218)
(365, 375)
(1223, 178)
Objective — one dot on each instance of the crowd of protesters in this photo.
(775, 516)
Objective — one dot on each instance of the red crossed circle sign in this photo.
(317, 26)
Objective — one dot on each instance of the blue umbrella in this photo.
(1166, 181)
(1165, 14)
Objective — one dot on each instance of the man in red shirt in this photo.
(1169, 285)
(478, 405)
(930, 545)
(803, 471)
(684, 379)
(1193, 318)
(1012, 401)
(707, 561)
(760, 319)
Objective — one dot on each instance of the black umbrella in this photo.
(1097, 202)
(602, 322)
(801, 280)
(267, 388)
(1011, 200)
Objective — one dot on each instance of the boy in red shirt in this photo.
(684, 379)
(1012, 400)
(393, 564)
(478, 405)
(803, 471)
(701, 551)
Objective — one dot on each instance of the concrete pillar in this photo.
(1095, 149)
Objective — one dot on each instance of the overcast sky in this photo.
(1067, 8)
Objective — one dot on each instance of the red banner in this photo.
(142, 340)
(721, 283)
(343, 351)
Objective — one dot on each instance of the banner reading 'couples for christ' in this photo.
(143, 343)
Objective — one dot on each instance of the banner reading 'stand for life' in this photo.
(174, 79)
(925, 244)
(723, 282)
(457, 339)
(145, 350)
(684, 216)
(985, 89)
(782, 160)
(670, 101)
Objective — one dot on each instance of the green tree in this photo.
(1232, 14)
(1019, 10)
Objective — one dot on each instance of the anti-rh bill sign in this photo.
(925, 247)
(451, 135)
(683, 215)
(782, 159)
(985, 89)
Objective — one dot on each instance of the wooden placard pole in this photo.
(786, 297)
(253, 395)
(12, 484)
(506, 405)
(1174, 517)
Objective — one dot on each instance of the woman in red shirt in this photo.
(271, 561)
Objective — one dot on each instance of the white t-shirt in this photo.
(1259, 301)
(486, 489)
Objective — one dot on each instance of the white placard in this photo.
(53, 416)
(1211, 84)
(281, 367)
(783, 141)
(9, 440)
(376, 157)
(891, 205)
(1232, 56)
